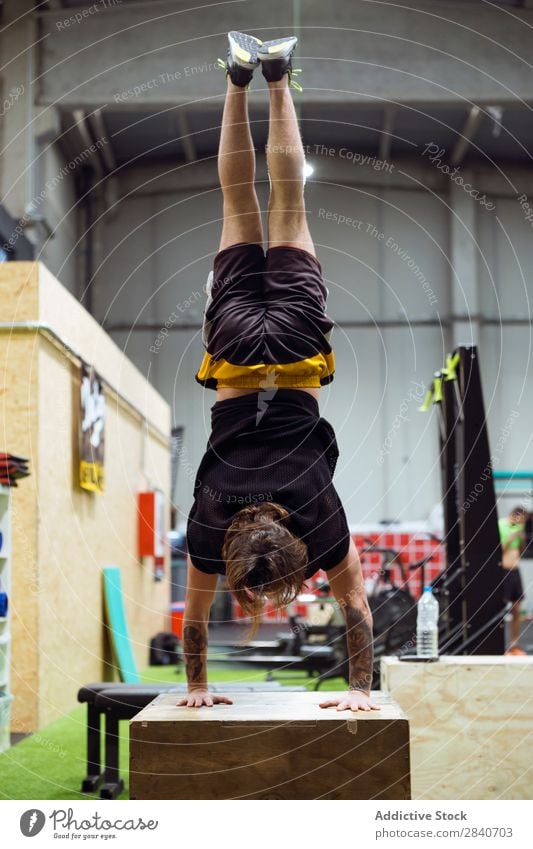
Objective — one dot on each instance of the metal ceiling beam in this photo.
(80, 123)
(97, 122)
(359, 53)
(385, 140)
(127, 327)
(186, 136)
(470, 128)
(409, 173)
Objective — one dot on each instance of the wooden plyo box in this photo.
(269, 746)
(471, 721)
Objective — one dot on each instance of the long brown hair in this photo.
(263, 555)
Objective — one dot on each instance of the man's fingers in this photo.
(196, 700)
(349, 705)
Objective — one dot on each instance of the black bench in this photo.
(88, 695)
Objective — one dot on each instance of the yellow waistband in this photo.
(310, 373)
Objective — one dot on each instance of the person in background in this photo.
(512, 536)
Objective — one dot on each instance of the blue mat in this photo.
(118, 627)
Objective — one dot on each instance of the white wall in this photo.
(156, 253)
(506, 289)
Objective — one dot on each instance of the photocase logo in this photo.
(32, 822)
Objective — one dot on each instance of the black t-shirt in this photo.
(270, 446)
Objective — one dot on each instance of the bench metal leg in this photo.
(94, 776)
(113, 784)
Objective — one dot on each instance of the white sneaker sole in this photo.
(243, 49)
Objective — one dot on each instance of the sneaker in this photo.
(516, 651)
(242, 58)
(276, 59)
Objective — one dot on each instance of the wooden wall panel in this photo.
(80, 532)
(18, 435)
(64, 536)
(19, 289)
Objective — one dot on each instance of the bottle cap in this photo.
(428, 589)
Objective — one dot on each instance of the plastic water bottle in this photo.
(427, 625)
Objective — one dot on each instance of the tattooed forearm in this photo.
(194, 649)
(360, 648)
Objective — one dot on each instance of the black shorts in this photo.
(513, 589)
(265, 322)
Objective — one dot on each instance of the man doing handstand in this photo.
(266, 514)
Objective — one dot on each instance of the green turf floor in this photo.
(51, 763)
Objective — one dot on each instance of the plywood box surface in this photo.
(269, 746)
(471, 722)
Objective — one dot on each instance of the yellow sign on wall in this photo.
(92, 433)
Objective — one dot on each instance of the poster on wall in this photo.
(92, 439)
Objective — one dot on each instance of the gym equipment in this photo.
(269, 746)
(393, 613)
(87, 695)
(12, 468)
(125, 662)
(470, 588)
(117, 704)
(289, 652)
(394, 607)
(4, 602)
(394, 617)
(124, 701)
(164, 649)
(469, 720)
(118, 628)
(316, 659)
